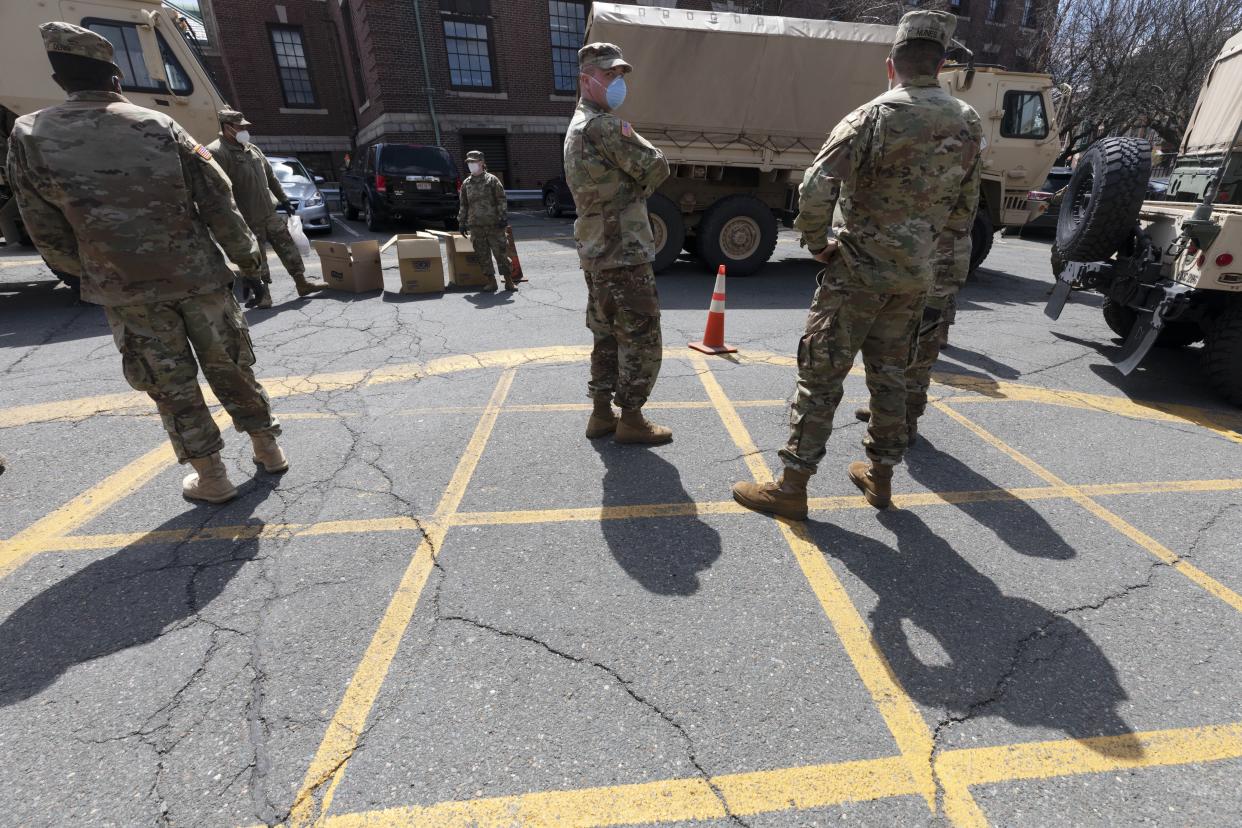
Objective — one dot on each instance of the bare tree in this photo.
(1136, 63)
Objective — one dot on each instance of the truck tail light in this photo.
(1038, 195)
(1222, 197)
(381, 184)
(1199, 261)
(1224, 260)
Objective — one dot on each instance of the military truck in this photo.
(1170, 271)
(161, 70)
(740, 105)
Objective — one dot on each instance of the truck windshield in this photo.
(402, 160)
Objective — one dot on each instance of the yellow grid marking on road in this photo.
(909, 730)
(30, 541)
(285, 531)
(1157, 549)
(816, 786)
(341, 739)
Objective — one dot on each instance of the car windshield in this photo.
(399, 160)
(290, 171)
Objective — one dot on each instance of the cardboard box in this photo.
(354, 268)
(464, 269)
(418, 259)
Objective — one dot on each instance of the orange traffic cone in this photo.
(713, 338)
(515, 265)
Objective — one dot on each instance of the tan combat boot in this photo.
(491, 287)
(603, 421)
(784, 498)
(635, 428)
(306, 286)
(912, 426)
(876, 482)
(269, 454)
(210, 481)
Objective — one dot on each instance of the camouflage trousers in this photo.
(158, 345)
(936, 318)
(275, 231)
(489, 241)
(846, 318)
(623, 312)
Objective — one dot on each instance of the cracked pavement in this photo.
(191, 681)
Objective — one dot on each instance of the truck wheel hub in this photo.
(659, 232)
(740, 237)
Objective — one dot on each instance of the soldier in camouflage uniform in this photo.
(904, 167)
(258, 193)
(611, 171)
(484, 215)
(141, 232)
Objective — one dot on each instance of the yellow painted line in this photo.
(86, 506)
(20, 262)
(815, 786)
(1159, 550)
(898, 710)
(1225, 423)
(1044, 760)
(314, 799)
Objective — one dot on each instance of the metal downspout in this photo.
(422, 48)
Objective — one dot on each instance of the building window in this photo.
(127, 52)
(1028, 14)
(996, 10)
(469, 46)
(567, 21)
(295, 79)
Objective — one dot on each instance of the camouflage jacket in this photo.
(483, 201)
(905, 167)
(124, 198)
(255, 188)
(611, 171)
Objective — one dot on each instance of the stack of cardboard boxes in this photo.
(356, 268)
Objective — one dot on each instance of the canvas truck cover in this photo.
(1218, 113)
(726, 88)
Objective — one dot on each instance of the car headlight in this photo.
(313, 201)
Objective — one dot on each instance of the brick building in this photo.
(321, 76)
(280, 63)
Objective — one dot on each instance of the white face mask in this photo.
(475, 167)
(242, 136)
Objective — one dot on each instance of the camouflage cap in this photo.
(232, 116)
(474, 155)
(926, 25)
(603, 55)
(68, 39)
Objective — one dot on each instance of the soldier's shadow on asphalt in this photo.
(998, 655)
(664, 555)
(124, 600)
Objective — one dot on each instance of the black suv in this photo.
(401, 181)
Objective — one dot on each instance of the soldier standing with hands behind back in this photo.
(484, 215)
(123, 198)
(611, 171)
(905, 167)
(258, 194)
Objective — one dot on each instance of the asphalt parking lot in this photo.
(454, 610)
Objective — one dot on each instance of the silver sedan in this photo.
(303, 192)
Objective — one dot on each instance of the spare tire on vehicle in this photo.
(1103, 199)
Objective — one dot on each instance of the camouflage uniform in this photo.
(952, 265)
(258, 193)
(485, 212)
(904, 167)
(611, 171)
(141, 232)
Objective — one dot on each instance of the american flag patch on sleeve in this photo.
(626, 129)
(202, 152)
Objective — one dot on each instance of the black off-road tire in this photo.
(981, 236)
(669, 229)
(1103, 199)
(1120, 319)
(755, 216)
(350, 211)
(1222, 354)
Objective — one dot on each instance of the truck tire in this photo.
(1102, 200)
(668, 228)
(374, 222)
(738, 232)
(1222, 355)
(350, 211)
(1120, 319)
(981, 236)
